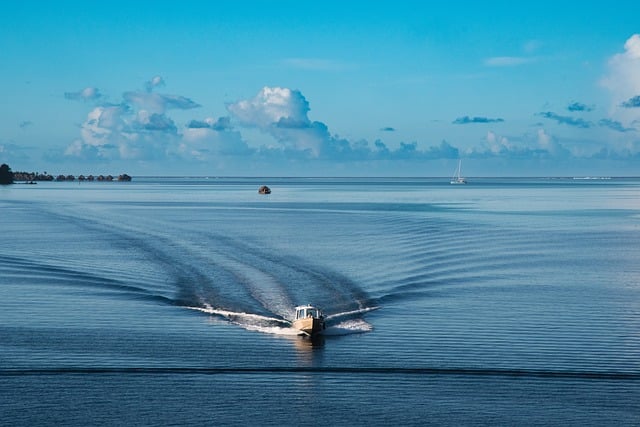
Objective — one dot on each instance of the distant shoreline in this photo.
(35, 177)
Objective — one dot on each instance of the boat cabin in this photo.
(304, 311)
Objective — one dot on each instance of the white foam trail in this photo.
(233, 315)
(348, 327)
(352, 313)
(274, 330)
(264, 324)
(251, 322)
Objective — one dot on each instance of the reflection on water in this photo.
(306, 342)
(309, 350)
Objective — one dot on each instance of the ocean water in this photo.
(166, 301)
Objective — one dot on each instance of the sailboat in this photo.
(457, 178)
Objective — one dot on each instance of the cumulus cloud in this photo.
(282, 113)
(623, 81)
(442, 151)
(100, 134)
(141, 127)
(551, 145)
(467, 120)
(86, 94)
(540, 145)
(270, 106)
(138, 128)
(578, 106)
(570, 121)
(118, 132)
(497, 144)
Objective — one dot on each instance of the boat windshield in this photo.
(307, 312)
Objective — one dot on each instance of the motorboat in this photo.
(309, 320)
(264, 190)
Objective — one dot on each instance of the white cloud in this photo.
(119, 132)
(544, 139)
(632, 46)
(497, 144)
(282, 113)
(623, 80)
(140, 129)
(205, 143)
(551, 145)
(272, 105)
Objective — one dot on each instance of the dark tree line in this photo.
(32, 177)
(6, 176)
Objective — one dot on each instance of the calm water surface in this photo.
(166, 301)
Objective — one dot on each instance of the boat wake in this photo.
(239, 279)
(338, 324)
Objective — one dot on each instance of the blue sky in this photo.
(265, 88)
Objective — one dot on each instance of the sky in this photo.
(321, 88)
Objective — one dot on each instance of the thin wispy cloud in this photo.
(532, 46)
(158, 103)
(509, 61)
(578, 106)
(86, 94)
(566, 120)
(469, 120)
(614, 125)
(529, 48)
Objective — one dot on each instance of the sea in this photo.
(168, 300)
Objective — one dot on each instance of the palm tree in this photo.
(6, 176)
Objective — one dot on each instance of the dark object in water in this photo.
(264, 190)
